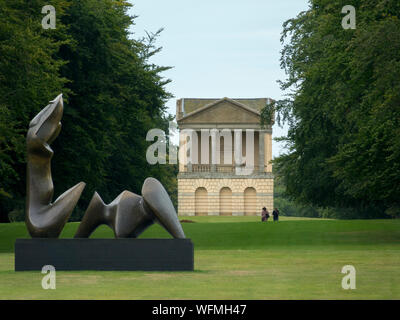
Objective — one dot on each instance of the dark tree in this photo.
(343, 108)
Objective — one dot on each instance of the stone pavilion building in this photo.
(224, 157)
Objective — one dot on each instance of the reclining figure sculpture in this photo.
(128, 215)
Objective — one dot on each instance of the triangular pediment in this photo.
(222, 111)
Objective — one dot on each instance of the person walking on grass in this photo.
(275, 214)
(264, 215)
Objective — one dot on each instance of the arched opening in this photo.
(225, 202)
(201, 202)
(250, 202)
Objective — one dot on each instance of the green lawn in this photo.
(236, 258)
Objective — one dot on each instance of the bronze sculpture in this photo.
(128, 215)
(43, 218)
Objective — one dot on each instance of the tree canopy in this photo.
(113, 95)
(342, 107)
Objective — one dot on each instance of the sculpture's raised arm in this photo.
(43, 218)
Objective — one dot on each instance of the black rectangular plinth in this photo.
(105, 254)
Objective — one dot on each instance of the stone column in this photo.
(268, 151)
(237, 148)
(261, 152)
(214, 150)
(182, 151)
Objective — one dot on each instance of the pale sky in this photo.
(219, 48)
